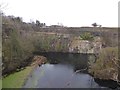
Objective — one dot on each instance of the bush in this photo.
(87, 36)
(106, 63)
(15, 52)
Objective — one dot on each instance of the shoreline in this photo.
(18, 79)
(32, 70)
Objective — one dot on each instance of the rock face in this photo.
(85, 46)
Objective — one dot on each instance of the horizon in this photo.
(66, 13)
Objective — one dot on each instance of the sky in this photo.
(73, 13)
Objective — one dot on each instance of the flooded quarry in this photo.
(35, 55)
(65, 70)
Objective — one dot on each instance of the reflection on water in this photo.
(61, 72)
(59, 76)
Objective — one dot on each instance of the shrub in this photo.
(87, 36)
(107, 61)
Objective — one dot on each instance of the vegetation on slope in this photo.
(106, 66)
(50, 42)
(107, 63)
(21, 39)
(16, 48)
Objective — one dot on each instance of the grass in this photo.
(0, 84)
(17, 79)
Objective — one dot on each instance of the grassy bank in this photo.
(17, 79)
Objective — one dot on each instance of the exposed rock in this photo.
(85, 46)
(39, 60)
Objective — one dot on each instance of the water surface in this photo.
(59, 76)
(63, 70)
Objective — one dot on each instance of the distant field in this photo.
(45, 33)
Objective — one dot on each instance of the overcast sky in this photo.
(68, 12)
